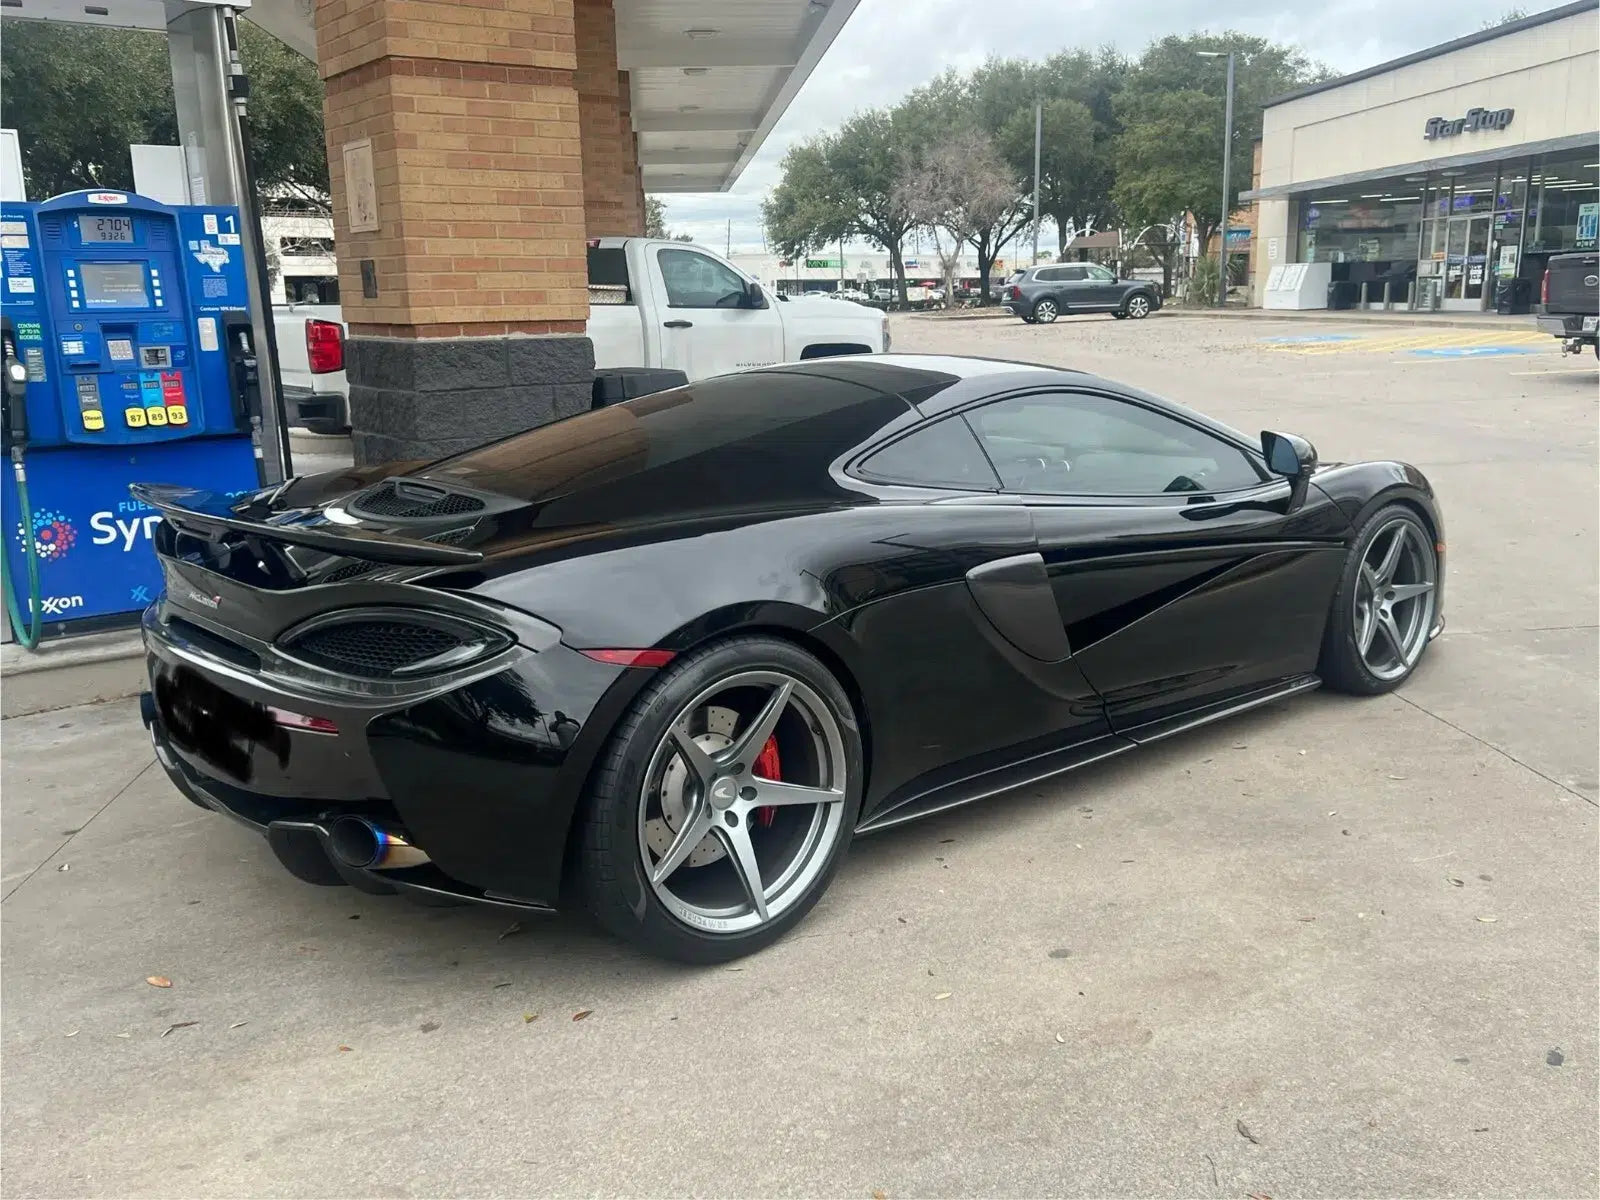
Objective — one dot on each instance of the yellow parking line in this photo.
(1394, 342)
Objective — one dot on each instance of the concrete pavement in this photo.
(1333, 948)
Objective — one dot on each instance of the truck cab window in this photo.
(695, 281)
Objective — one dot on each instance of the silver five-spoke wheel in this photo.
(743, 801)
(1394, 598)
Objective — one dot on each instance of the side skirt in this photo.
(1046, 766)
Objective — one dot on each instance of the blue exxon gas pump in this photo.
(130, 359)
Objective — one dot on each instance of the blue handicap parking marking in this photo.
(1311, 337)
(1471, 351)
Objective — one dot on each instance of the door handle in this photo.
(680, 324)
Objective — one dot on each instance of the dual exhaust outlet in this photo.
(357, 842)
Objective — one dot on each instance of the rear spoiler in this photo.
(209, 515)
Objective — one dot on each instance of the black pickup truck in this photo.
(1569, 301)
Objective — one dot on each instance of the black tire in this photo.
(1138, 306)
(611, 873)
(1341, 664)
(1045, 311)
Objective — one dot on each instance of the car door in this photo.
(1184, 573)
(1100, 288)
(962, 642)
(1066, 285)
(708, 327)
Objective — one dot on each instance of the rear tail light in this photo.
(1544, 288)
(630, 658)
(294, 720)
(1015, 293)
(325, 346)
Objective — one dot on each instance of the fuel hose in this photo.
(25, 629)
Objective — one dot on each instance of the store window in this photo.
(1371, 222)
(1563, 203)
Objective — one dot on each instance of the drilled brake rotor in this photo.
(676, 797)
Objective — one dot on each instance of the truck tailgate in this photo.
(1574, 284)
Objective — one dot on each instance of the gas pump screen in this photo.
(113, 285)
(106, 229)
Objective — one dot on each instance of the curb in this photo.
(72, 671)
(1488, 323)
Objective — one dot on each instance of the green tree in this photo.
(1168, 157)
(845, 185)
(288, 148)
(1078, 90)
(655, 217)
(1505, 18)
(963, 180)
(78, 96)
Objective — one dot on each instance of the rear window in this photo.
(761, 438)
(608, 267)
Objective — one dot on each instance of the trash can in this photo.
(1513, 297)
(612, 385)
(1342, 293)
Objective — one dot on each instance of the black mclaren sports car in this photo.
(668, 657)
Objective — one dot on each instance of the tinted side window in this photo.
(695, 281)
(1078, 444)
(944, 454)
(1099, 274)
(1074, 274)
(1048, 275)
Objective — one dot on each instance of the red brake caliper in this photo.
(767, 766)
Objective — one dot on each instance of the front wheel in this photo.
(724, 802)
(1045, 312)
(1384, 608)
(1137, 306)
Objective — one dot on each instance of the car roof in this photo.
(939, 383)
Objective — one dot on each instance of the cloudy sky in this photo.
(889, 47)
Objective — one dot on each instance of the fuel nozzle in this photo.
(14, 393)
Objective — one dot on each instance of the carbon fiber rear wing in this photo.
(210, 516)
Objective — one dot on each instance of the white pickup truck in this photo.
(659, 304)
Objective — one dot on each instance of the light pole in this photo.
(1038, 132)
(1227, 159)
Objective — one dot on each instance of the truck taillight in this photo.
(1016, 293)
(1544, 288)
(325, 346)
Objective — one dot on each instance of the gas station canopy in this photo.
(710, 78)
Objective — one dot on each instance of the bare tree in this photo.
(961, 188)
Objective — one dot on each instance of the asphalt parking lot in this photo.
(1334, 948)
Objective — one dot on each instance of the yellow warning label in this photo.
(156, 415)
(134, 417)
(177, 414)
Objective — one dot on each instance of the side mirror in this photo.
(754, 297)
(1287, 455)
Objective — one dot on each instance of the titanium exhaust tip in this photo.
(357, 842)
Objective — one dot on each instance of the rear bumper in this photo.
(306, 405)
(300, 833)
(483, 775)
(1568, 325)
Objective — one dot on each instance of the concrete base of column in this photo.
(429, 397)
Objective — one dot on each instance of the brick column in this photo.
(600, 120)
(453, 154)
(632, 179)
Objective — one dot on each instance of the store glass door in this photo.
(1466, 262)
(1478, 285)
(1455, 261)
